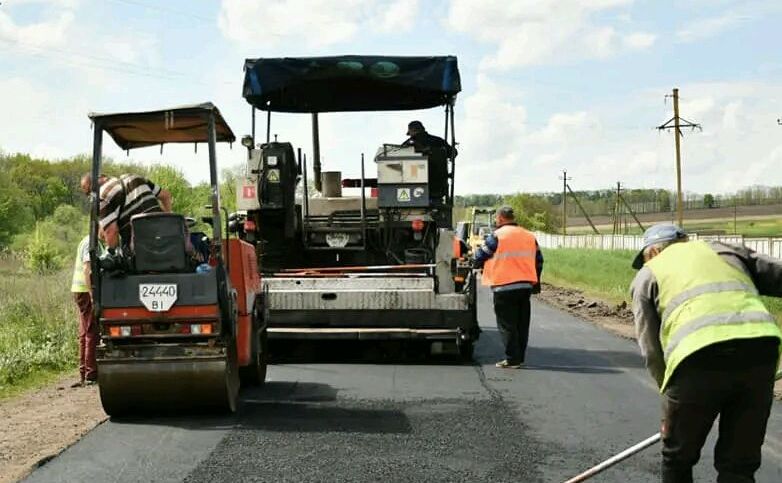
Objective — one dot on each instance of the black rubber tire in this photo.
(255, 373)
(232, 380)
(263, 357)
(466, 349)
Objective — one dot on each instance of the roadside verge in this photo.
(40, 423)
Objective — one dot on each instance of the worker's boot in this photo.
(506, 364)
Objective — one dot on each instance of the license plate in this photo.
(157, 297)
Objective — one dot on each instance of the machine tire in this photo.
(466, 348)
(232, 382)
(255, 373)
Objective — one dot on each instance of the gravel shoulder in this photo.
(39, 424)
(617, 319)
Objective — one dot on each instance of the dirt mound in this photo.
(615, 318)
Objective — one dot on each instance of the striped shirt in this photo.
(123, 197)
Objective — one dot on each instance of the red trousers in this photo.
(88, 337)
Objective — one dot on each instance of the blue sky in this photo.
(547, 84)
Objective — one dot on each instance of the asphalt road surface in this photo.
(342, 417)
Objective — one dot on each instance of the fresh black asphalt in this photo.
(345, 413)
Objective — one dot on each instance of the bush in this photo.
(40, 255)
(38, 326)
(52, 245)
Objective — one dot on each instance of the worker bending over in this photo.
(711, 345)
(123, 197)
(512, 263)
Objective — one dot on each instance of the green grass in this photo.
(38, 326)
(748, 227)
(599, 273)
(603, 274)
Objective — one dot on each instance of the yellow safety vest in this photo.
(704, 300)
(78, 282)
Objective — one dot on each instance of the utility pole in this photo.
(564, 179)
(617, 220)
(632, 213)
(586, 215)
(676, 124)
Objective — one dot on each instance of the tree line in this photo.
(43, 213)
(603, 202)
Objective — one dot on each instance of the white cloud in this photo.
(49, 31)
(563, 127)
(315, 23)
(639, 40)
(739, 146)
(399, 15)
(533, 32)
(703, 28)
(96, 57)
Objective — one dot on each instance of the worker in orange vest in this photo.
(512, 263)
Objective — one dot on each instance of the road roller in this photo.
(180, 311)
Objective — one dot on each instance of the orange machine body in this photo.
(245, 279)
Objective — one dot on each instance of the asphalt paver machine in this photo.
(377, 264)
(177, 333)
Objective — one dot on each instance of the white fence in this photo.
(766, 246)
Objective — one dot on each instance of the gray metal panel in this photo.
(366, 300)
(192, 288)
(387, 293)
(303, 284)
(444, 258)
(402, 195)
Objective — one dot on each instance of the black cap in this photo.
(415, 125)
(506, 211)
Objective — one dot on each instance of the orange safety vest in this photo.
(457, 247)
(514, 260)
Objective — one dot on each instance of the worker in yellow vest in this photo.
(512, 263)
(711, 345)
(88, 328)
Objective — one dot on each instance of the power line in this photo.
(158, 8)
(105, 63)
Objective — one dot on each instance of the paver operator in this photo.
(429, 144)
(123, 197)
(512, 264)
(711, 345)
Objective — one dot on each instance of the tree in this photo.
(708, 200)
(15, 213)
(534, 212)
(664, 198)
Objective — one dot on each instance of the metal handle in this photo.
(615, 459)
(650, 441)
